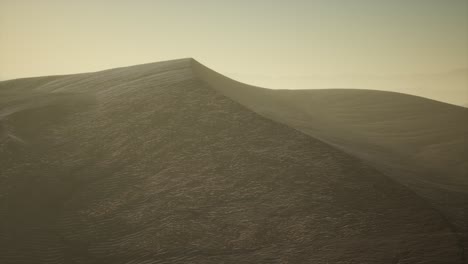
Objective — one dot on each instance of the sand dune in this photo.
(420, 142)
(167, 163)
(449, 86)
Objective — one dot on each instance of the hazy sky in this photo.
(253, 40)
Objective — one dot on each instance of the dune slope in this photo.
(419, 142)
(150, 164)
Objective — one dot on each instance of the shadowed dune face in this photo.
(150, 164)
(421, 143)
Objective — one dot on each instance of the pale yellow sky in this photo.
(257, 42)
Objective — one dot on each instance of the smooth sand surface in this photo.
(167, 163)
(419, 142)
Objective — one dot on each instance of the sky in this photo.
(294, 44)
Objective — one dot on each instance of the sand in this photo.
(172, 163)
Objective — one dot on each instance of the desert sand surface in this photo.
(171, 162)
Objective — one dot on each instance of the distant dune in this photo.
(171, 162)
(450, 87)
